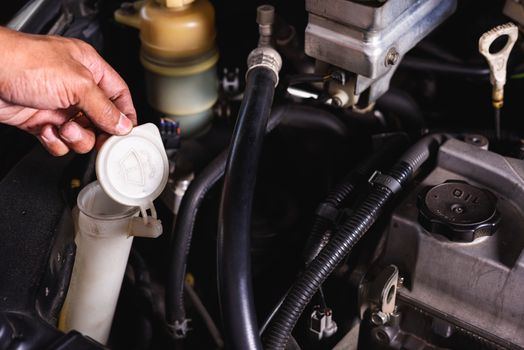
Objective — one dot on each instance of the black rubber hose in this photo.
(404, 105)
(308, 117)
(291, 115)
(306, 78)
(234, 226)
(320, 235)
(438, 52)
(420, 64)
(185, 221)
(342, 242)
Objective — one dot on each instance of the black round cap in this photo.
(459, 211)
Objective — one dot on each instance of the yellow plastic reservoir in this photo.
(179, 55)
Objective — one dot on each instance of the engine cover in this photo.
(475, 286)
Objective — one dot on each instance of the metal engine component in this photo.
(344, 187)
(368, 39)
(379, 295)
(471, 288)
(498, 60)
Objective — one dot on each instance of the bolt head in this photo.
(379, 318)
(336, 101)
(392, 57)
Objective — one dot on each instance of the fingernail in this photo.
(48, 135)
(71, 134)
(124, 125)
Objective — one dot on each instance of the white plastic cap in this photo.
(133, 169)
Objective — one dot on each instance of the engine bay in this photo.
(339, 174)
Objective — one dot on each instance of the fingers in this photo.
(102, 112)
(116, 89)
(70, 136)
(39, 118)
(83, 81)
(59, 137)
(122, 102)
(109, 81)
(77, 138)
(50, 139)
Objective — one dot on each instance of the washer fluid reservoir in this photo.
(132, 171)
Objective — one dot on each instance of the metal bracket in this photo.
(379, 294)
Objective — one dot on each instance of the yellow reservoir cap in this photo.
(179, 32)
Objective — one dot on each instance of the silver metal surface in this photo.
(25, 14)
(478, 140)
(369, 41)
(350, 340)
(175, 191)
(379, 318)
(474, 286)
(265, 19)
(498, 60)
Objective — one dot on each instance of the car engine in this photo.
(332, 174)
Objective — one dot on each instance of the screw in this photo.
(457, 209)
(392, 57)
(379, 318)
(336, 101)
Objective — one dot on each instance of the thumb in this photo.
(102, 112)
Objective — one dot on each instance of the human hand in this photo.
(46, 81)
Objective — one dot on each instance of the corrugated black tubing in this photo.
(342, 242)
(319, 235)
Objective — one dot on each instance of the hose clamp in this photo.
(327, 211)
(179, 329)
(266, 57)
(386, 181)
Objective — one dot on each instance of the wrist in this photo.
(10, 42)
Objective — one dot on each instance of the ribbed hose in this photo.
(342, 242)
(291, 115)
(234, 226)
(319, 234)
